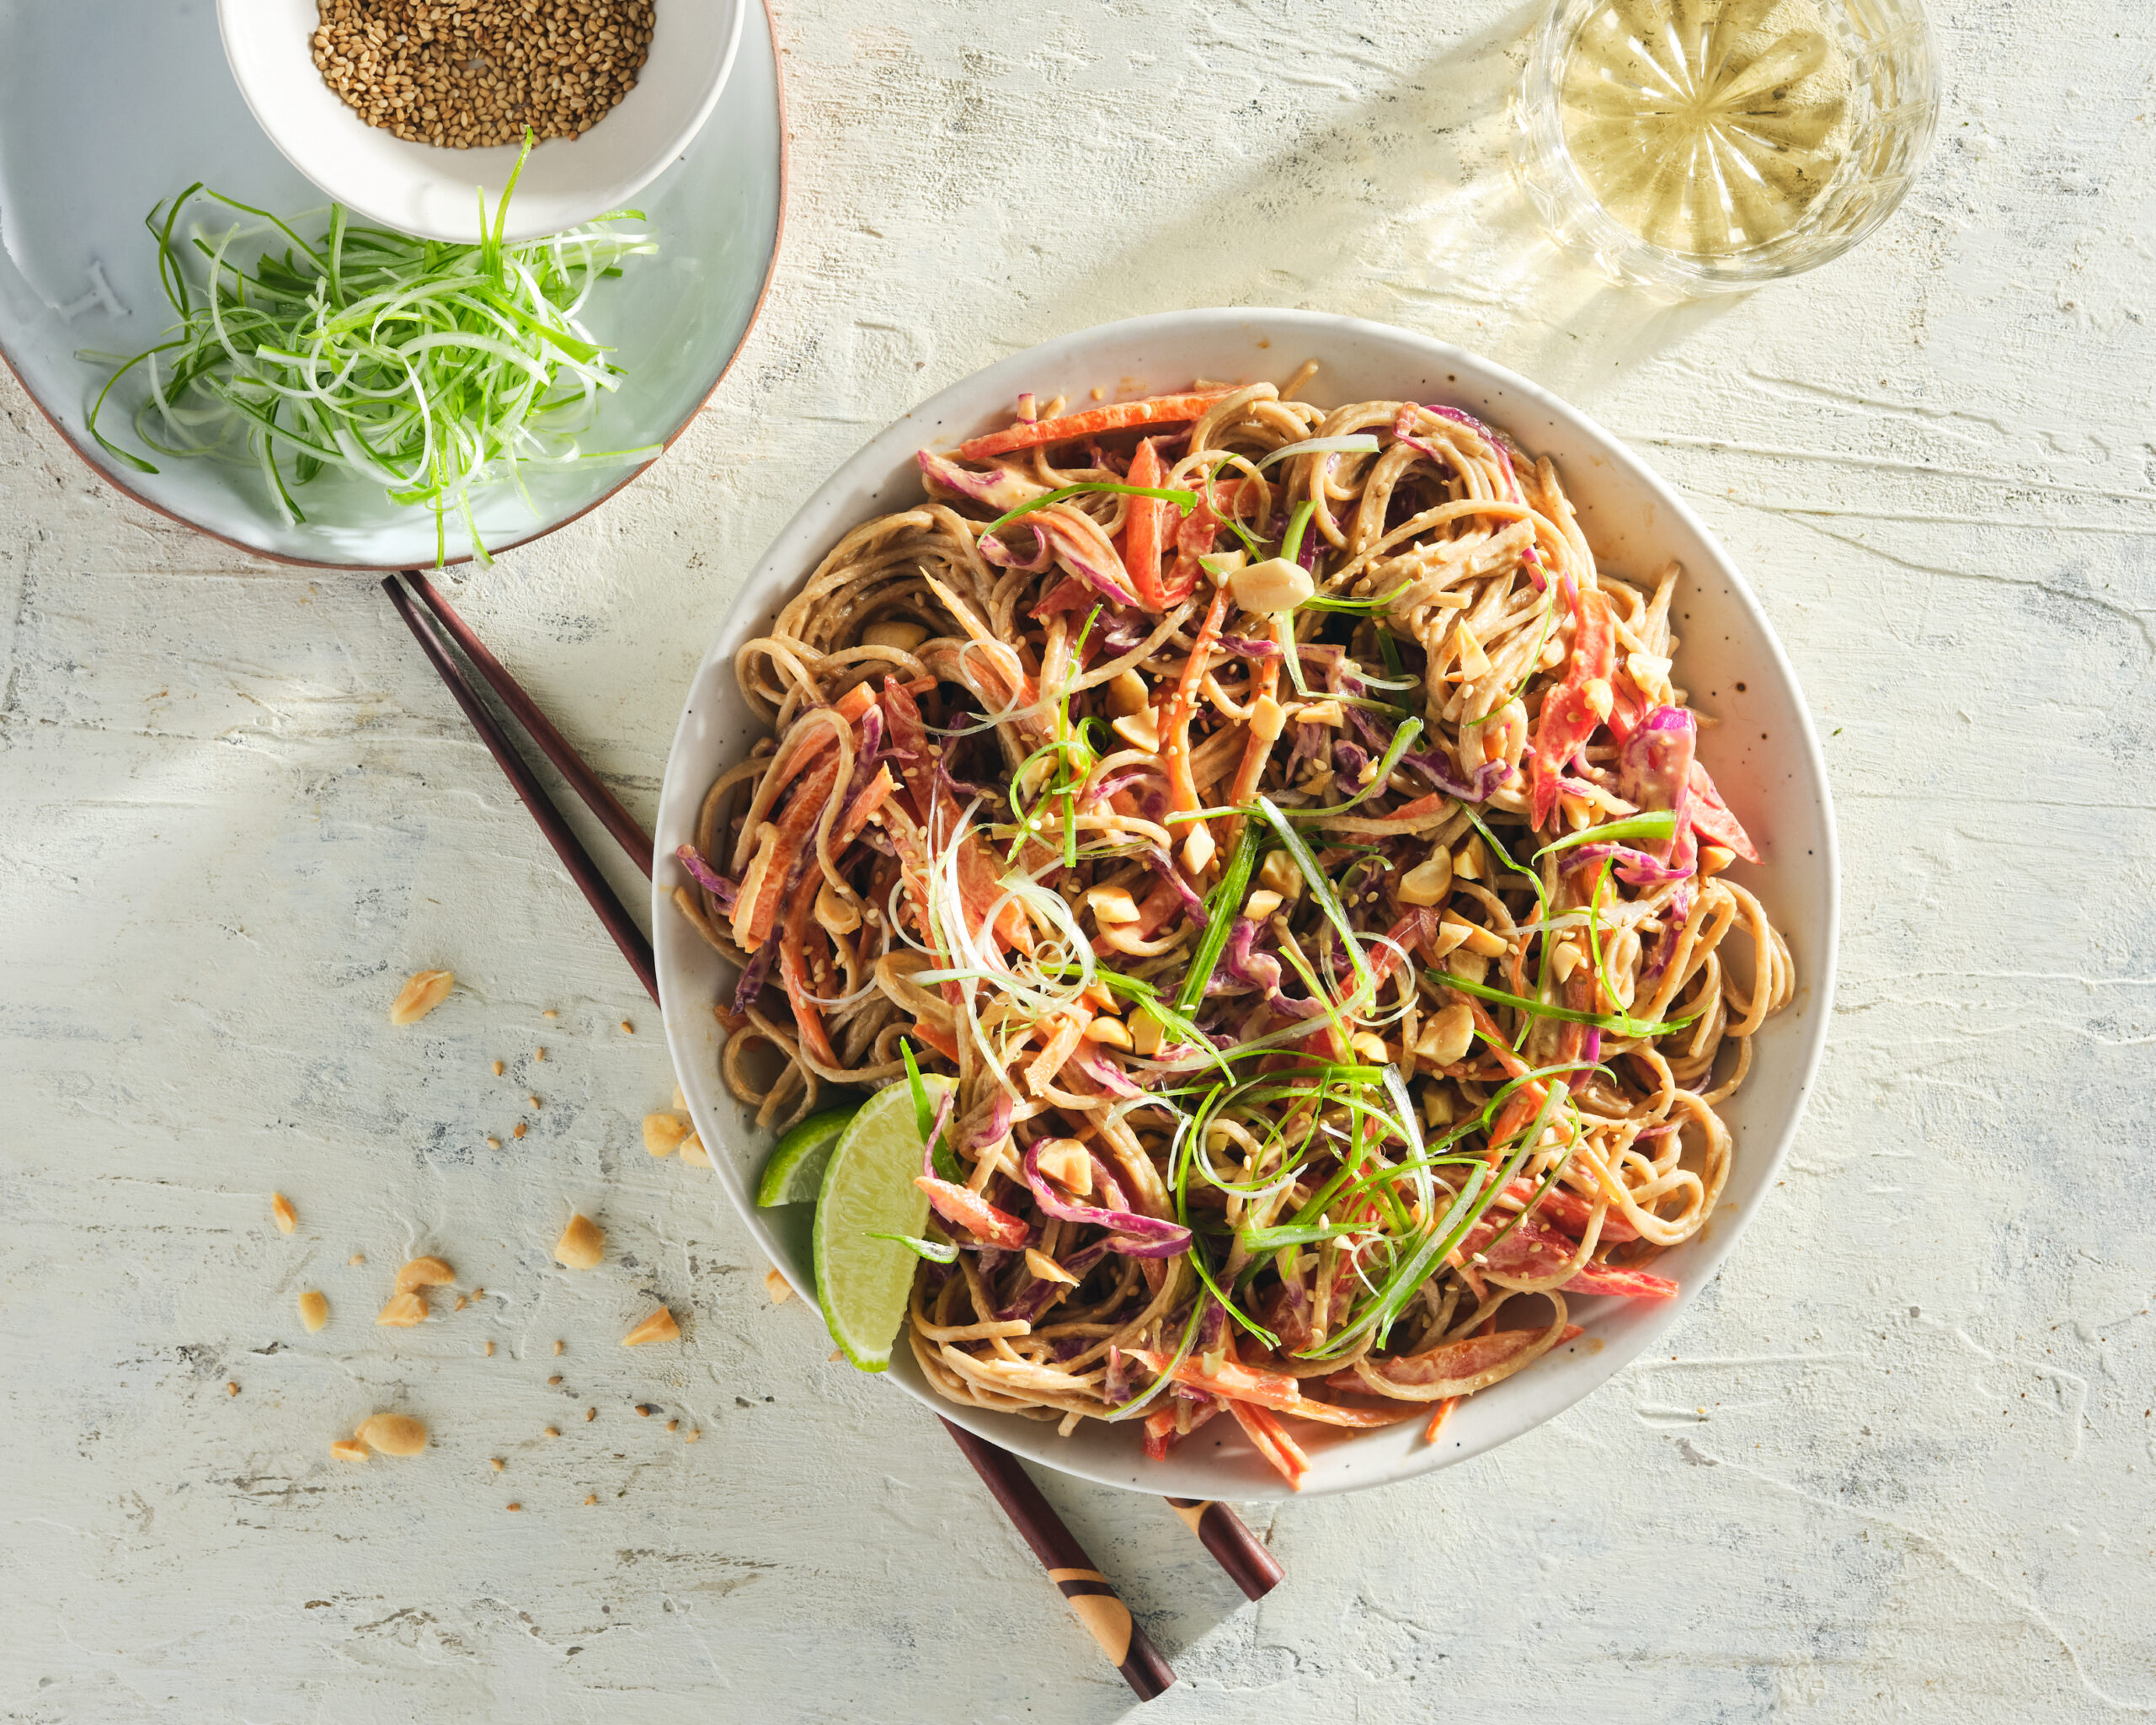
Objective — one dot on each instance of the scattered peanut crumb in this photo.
(394, 1433)
(558, 1344)
(314, 1310)
(517, 1130)
(424, 1272)
(349, 1449)
(497, 1069)
(680, 1100)
(592, 1497)
(550, 1014)
(551, 1432)
(590, 1414)
(627, 1028)
(838, 1354)
(532, 1101)
(403, 1310)
(460, 1302)
(643, 1409)
(281, 1207)
(230, 1388)
(673, 1425)
(426, 990)
(490, 1350)
(778, 1287)
(694, 1153)
(357, 1257)
(538, 1053)
(660, 1326)
(662, 1133)
(515, 1506)
(690, 1435)
(478, 1293)
(494, 1143)
(556, 1378)
(496, 1463)
(581, 1245)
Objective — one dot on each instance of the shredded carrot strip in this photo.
(1117, 416)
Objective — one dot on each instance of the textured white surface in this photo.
(1900, 1466)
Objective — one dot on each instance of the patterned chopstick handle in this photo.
(1234, 1546)
(1095, 1603)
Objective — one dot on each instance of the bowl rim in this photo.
(654, 161)
(800, 546)
(115, 477)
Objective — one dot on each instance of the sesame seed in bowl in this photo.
(405, 110)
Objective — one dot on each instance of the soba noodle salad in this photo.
(1296, 850)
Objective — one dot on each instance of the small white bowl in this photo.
(429, 191)
(1765, 755)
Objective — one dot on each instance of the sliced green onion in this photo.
(1367, 607)
(432, 370)
(1656, 824)
(1225, 899)
(1299, 518)
(1187, 500)
(1358, 443)
(935, 1250)
(1314, 877)
(1617, 1023)
(1402, 739)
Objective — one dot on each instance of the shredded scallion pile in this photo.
(436, 370)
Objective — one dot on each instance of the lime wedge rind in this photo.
(794, 1172)
(862, 1283)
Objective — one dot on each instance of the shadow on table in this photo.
(1403, 209)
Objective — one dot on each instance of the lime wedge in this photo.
(795, 1172)
(862, 1283)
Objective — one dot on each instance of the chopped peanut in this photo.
(496, 1463)
(349, 1449)
(394, 1433)
(517, 1130)
(1429, 883)
(1047, 1269)
(778, 1287)
(497, 1069)
(581, 1245)
(1109, 1033)
(280, 1207)
(424, 1272)
(662, 1133)
(314, 1308)
(694, 1153)
(426, 990)
(230, 1388)
(660, 1326)
(1446, 1036)
(690, 1435)
(627, 1028)
(403, 1310)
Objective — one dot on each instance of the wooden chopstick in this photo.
(1224, 1533)
(1094, 1601)
(601, 801)
(575, 858)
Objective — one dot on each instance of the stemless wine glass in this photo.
(1707, 146)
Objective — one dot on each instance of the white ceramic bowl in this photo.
(1765, 757)
(425, 190)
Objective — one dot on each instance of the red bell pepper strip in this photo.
(1531, 1250)
(965, 1207)
(1093, 422)
(753, 914)
(1712, 821)
(1572, 712)
(1233, 1381)
(1141, 540)
(1262, 1427)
